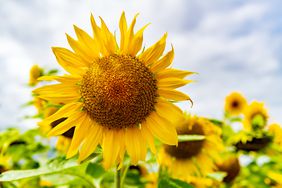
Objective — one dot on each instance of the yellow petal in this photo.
(57, 89)
(123, 30)
(98, 38)
(60, 99)
(173, 95)
(149, 138)
(71, 121)
(153, 53)
(81, 50)
(65, 111)
(109, 39)
(172, 83)
(93, 138)
(91, 48)
(59, 93)
(135, 145)
(164, 62)
(168, 73)
(121, 155)
(161, 128)
(68, 79)
(129, 36)
(168, 110)
(111, 146)
(69, 61)
(79, 135)
(137, 41)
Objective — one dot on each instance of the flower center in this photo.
(119, 91)
(187, 149)
(235, 104)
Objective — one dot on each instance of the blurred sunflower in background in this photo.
(45, 109)
(64, 140)
(231, 166)
(34, 73)
(191, 161)
(276, 130)
(115, 95)
(235, 104)
(5, 162)
(255, 116)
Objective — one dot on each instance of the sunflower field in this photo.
(111, 119)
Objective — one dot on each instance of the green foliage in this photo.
(173, 183)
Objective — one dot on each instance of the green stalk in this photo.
(124, 174)
(118, 178)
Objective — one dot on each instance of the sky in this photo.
(232, 45)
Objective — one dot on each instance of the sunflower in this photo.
(34, 73)
(64, 140)
(191, 160)
(118, 96)
(231, 166)
(235, 103)
(276, 130)
(5, 163)
(255, 116)
(45, 109)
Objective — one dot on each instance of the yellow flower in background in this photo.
(63, 144)
(231, 167)
(150, 178)
(255, 116)
(276, 130)
(45, 183)
(235, 103)
(192, 159)
(115, 95)
(5, 162)
(64, 140)
(277, 177)
(201, 182)
(46, 110)
(34, 73)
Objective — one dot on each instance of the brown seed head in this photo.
(118, 91)
(188, 149)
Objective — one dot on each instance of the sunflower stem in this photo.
(124, 174)
(118, 178)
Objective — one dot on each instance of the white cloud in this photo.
(230, 44)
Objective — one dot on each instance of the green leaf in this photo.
(95, 170)
(52, 72)
(189, 137)
(173, 183)
(236, 119)
(216, 121)
(55, 166)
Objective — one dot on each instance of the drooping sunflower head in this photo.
(235, 103)
(231, 167)
(115, 95)
(276, 130)
(192, 158)
(255, 116)
(34, 73)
